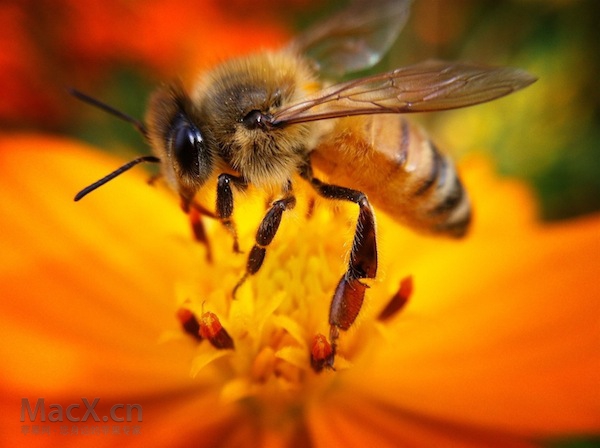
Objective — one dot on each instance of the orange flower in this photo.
(498, 345)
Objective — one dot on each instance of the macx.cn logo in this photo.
(78, 412)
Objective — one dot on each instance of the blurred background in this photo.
(119, 50)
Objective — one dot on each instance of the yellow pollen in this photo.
(279, 315)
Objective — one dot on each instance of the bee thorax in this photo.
(264, 158)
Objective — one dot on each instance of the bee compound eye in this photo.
(186, 145)
(187, 141)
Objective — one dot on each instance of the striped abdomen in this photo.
(402, 172)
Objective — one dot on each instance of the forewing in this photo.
(428, 86)
(356, 38)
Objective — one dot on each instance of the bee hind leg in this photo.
(350, 292)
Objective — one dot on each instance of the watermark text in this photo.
(78, 412)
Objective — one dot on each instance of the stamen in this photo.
(399, 300)
(263, 365)
(189, 323)
(266, 339)
(322, 353)
(211, 329)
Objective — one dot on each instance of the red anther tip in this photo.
(184, 315)
(399, 300)
(320, 348)
(209, 325)
(322, 353)
(189, 322)
(406, 287)
(211, 329)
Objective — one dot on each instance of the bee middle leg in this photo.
(350, 292)
(265, 234)
(225, 204)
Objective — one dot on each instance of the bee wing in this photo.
(424, 87)
(356, 38)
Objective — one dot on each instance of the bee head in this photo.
(179, 140)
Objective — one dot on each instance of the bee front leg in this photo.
(199, 231)
(225, 204)
(196, 212)
(265, 234)
(350, 291)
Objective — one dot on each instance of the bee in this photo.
(265, 118)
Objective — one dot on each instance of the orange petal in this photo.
(88, 292)
(357, 420)
(502, 331)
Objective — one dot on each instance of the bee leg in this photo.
(195, 212)
(199, 231)
(152, 180)
(265, 234)
(225, 204)
(350, 292)
(203, 210)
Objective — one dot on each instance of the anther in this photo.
(189, 323)
(211, 329)
(398, 301)
(322, 353)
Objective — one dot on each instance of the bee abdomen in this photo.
(445, 201)
(402, 172)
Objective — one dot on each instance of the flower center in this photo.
(269, 341)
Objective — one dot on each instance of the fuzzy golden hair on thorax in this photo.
(263, 82)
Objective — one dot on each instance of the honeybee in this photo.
(264, 118)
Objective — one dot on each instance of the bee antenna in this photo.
(109, 109)
(114, 174)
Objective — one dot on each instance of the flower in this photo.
(497, 346)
